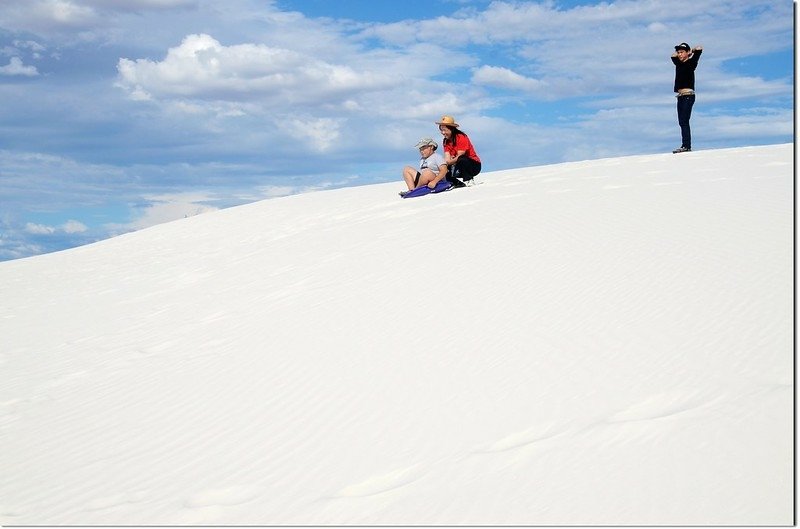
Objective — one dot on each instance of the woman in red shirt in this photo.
(459, 154)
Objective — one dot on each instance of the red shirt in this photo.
(462, 144)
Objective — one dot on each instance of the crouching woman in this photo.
(459, 154)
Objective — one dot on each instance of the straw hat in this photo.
(449, 121)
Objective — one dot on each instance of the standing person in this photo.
(685, 61)
(459, 154)
(432, 168)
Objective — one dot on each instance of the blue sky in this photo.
(122, 114)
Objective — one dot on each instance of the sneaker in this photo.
(455, 181)
(681, 149)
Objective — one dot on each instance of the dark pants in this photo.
(685, 104)
(465, 169)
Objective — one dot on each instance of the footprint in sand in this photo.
(209, 506)
(383, 483)
(7, 513)
(525, 438)
(116, 500)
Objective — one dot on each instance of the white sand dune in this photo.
(603, 342)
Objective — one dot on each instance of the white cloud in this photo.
(505, 78)
(65, 12)
(756, 123)
(604, 27)
(719, 86)
(588, 49)
(73, 226)
(36, 48)
(135, 5)
(63, 16)
(39, 229)
(42, 16)
(70, 227)
(16, 67)
(202, 68)
(322, 133)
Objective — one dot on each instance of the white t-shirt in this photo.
(432, 162)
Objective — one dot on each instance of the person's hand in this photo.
(431, 185)
(698, 48)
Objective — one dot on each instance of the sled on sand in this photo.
(442, 186)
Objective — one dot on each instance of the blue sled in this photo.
(443, 185)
